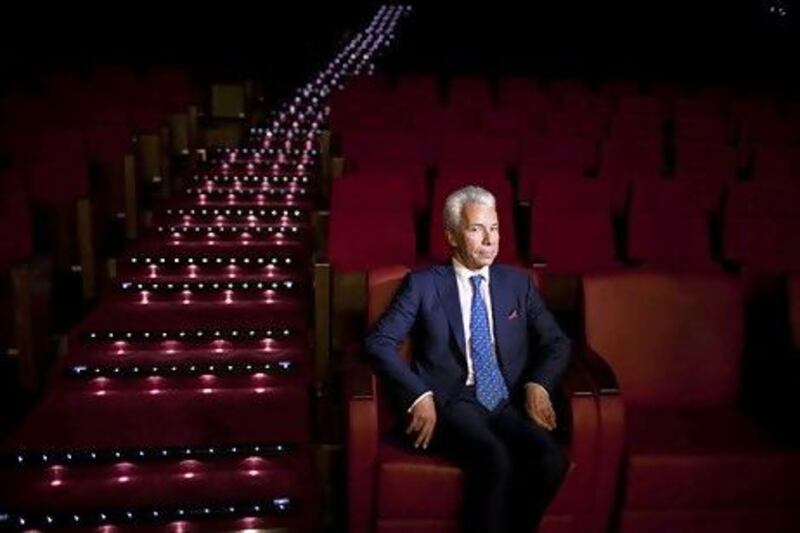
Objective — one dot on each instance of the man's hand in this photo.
(423, 420)
(538, 406)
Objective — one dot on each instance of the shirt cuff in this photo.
(419, 399)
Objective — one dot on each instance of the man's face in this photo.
(476, 241)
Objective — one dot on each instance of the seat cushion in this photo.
(704, 458)
(419, 486)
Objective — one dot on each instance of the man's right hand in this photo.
(423, 420)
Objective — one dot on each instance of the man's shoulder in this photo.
(510, 274)
(429, 273)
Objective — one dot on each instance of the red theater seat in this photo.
(636, 128)
(391, 489)
(701, 128)
(706, 159)
(363, 239)
(695, 460)
(521, 95)
(761, 227)
(571, 225)
(470, 94)
(417, 92)
(544, 157)
(776, 163)
(574, 123)
(16, 242)
(668, 227)
(478, 149)
(59, 174)
(624, 162)
(396, 187)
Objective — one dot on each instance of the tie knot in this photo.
(476, 281)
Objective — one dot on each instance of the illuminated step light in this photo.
(190, 369)
(178, 261)
(207, 286)
(231, 334)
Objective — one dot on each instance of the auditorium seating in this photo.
(695, 459)
(668, 227)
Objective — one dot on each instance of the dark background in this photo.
(735, 42)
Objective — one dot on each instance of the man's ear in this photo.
(451, 238)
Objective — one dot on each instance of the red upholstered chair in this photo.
(391, 490)
(705, 160)
(375, 235)
(575, 123)
(546, 157)
(417, 92)
(401, 187)
(695, 460)
(500, 150)
(701, 128)
(571, 226)
(522, 96)
(500, 187)
(636, 127)
(641, 106)
(372, 149)
(776, 162)
(668, 227)
(625, 162)
(761, 226)
(470, 94)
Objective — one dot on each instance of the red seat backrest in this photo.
(673, 341)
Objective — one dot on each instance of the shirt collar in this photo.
(463, 273)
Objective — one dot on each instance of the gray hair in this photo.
(454, 205)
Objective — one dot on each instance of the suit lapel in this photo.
(448, 296)
(501, 303)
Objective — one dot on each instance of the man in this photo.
(487, 358)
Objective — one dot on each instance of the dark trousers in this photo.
(512, 467)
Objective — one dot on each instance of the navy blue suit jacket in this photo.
(529, 343)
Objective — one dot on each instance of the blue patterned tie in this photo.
(490, 387)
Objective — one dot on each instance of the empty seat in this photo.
(776, 162)
(16, 241)
(59, 174)
(761, 226)
(371, 236)
(627, 162)
(696, 461)
(575, 123)
(470, 94)
(571, 226)
(521, 95)
(712, 159)
(640, 106)
(636, 128)
(668, 228)
(417, 92)
(701, 128)
(383, 149)
(478, 149)
(543, 157)
(393, 186)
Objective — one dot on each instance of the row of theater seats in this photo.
(655, 419)
(566, 108)
(82, 156)
(622, 161)
(572, 224)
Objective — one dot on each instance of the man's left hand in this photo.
(538, 406)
